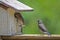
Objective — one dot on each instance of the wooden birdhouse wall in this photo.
(9, 24)
(7, 21)
(14, 22)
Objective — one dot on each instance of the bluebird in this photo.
(42, 27)
(20, 22)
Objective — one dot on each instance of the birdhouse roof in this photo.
(18, 6)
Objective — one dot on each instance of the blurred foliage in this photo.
(47, 10)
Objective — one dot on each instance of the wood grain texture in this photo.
(3, 6)
(16, 5)
(32, 37)
(7, 22)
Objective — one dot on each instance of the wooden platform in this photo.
(31, 37)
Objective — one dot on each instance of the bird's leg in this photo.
(43, 28)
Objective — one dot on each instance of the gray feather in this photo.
(42, 27)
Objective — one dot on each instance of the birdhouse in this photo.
(11, 20)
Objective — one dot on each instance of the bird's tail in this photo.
(47, 33)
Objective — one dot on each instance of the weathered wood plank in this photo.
(15, 4)
(3, 6)
(32, 36)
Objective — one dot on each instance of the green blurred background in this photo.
(47, 10)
